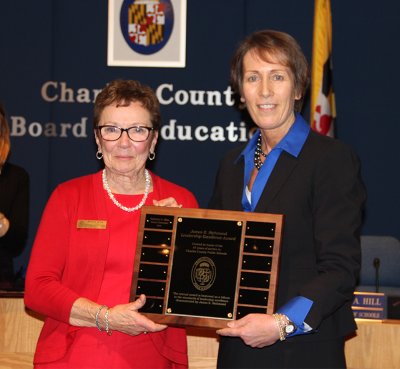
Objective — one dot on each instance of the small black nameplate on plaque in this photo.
(200, 267)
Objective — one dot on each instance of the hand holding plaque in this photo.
(200, 267)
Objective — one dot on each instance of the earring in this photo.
(152, 155)
(99, 155)
(242, 100)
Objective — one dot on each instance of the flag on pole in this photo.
(323, 110)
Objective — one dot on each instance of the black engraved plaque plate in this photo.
(202, 268)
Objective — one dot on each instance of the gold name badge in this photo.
(92, 224)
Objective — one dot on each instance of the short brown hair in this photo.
(123, 92)
(282, 47)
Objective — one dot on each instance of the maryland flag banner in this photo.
(323, 110)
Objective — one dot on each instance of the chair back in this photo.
(380, 264)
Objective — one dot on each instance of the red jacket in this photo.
(67, 263)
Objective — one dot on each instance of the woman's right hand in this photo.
(123, 317)
(126, 318)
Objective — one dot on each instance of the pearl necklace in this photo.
(257, 158)
(115, 201)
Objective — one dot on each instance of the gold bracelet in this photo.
(280, 324)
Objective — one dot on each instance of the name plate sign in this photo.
(203, 268)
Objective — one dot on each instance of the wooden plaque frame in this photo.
(185, 257)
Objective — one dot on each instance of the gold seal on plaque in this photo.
(203, 273)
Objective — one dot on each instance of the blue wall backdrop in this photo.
(54, 58)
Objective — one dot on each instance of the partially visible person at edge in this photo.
(313, 180)
(14, 211)
(80, 271)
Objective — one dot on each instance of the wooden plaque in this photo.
(203, 268)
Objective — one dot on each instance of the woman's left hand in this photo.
(169, 201)
(125, 318)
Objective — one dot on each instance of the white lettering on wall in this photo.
(19, 127)
(60, 92)
(166, 95)
(52, 91)
(231, 133)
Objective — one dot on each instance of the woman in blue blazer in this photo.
(313, 180)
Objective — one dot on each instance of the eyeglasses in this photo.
(135, 133)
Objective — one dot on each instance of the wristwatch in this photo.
(289, 327)
(285, 325)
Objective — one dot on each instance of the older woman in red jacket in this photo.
(81, 266)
